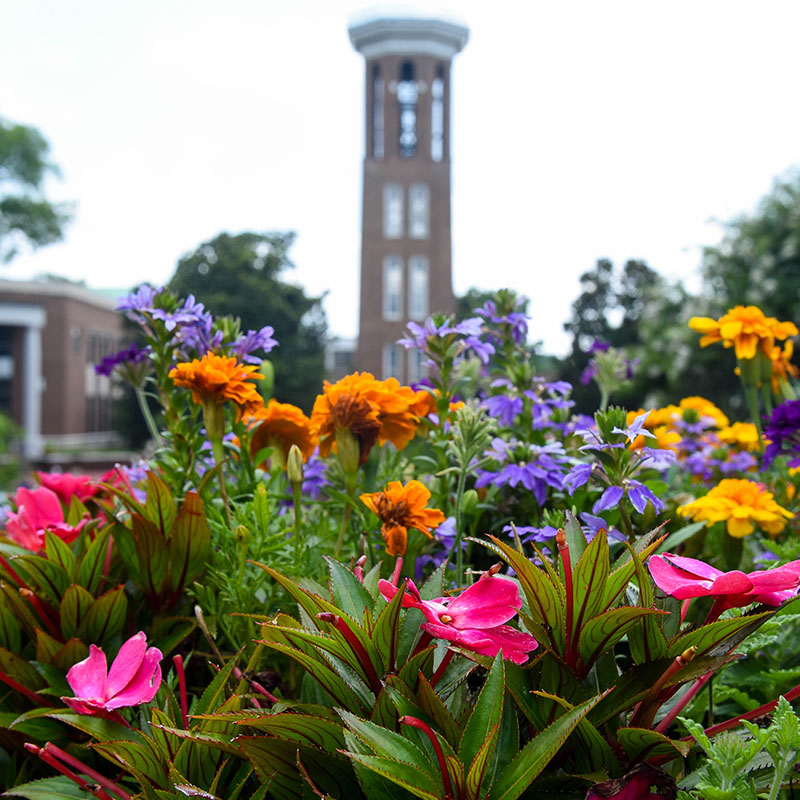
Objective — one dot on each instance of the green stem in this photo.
(751, 392)
(348, 510)
(297, 492)
(626, 522)
(148, 416)
(604, 397)
(462, 480)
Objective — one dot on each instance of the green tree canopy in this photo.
(26, 216)
(241, 276)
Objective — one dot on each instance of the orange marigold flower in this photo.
(742, 435)
(371, 410)
(402, 507)
(782, 367)
(216, 379)
(741, 505)
(704, 408)
(659, 425)
(279, 426)
(745, 328)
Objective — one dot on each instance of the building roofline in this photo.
(46, 289)
(408, 35)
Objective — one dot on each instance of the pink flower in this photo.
(134, 677)
(684, 578)
(66, 485)
(475, 618)
(38, 510)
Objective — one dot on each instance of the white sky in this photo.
(581, 130)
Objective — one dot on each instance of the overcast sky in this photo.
(580, 130)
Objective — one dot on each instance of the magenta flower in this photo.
(66, 485)
(134, 678)
(474, 620)
(38, 510)
(684, 578)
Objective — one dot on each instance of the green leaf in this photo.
(680, 536)
(719, 637)
(576, 538)
(480, 764)
(101, 729)
(647, 640)
(305, 728)
(45, 575)
(105, 617)
(625, 569)
(189, 543)
(414, 780)
(485, 714)
(152, 552)
(59, 788)
(159, 507)
(386, 634)
(605, 630)
(214, 694)
(90, 571)
(137, 756)
(19, 669)
(58, 551)
(433, 706)
(72, 609)
(388, 744)
(589, 578)
(347, 591)
(641, 744)
(537, 754)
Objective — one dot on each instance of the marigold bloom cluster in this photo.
(216, 379)
(402, 507)
(745, 328)
(742, 435)
(280, 425)
(372, 410)
(741, 505)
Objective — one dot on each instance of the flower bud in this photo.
(294, 465)
(348, 450)
(469, 502)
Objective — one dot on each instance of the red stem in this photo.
(64, 770)
(358, 649)
(437, 748)
(398, 566)
(87, 771)
(570, 646)
(14, 576)
(683, 702)
(448, 657)
(44, 612)
(31, 695)
(424, 640)
(177, 660)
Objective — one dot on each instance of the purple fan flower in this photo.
(130, 355)
(139, 302)
(593, 525)
(783, 432)
(610, 498)
(504, 408)
(578, 476)
(530, 533)
(640, 496)
(190, 313)
(251, 341)
(636, 428)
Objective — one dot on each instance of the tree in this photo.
(26, 217)
(240, 276)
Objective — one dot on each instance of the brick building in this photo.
(405, 244)
(51, 335)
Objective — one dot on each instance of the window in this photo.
(416, 366)
(392, 288)
(392, 210)
(392, 361)
(407, 93)
(418, 204)
(437, 115)
(377, 114)
(418, 287)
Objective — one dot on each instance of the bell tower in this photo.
(405, 228)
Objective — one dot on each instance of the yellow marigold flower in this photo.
(704, 408)
(279, 426)
(666, 437)
(742, 435)
(741, 505)
(369, 409)
(402, 507)
(782, 367)
(743, 327)
(663, 416)
(216, 379)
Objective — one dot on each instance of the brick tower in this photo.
(405, 229)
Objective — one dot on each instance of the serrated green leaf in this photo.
(486, 712)
(589, 578)
(90, 569)
(430, 702)
(59, 788)
(719, 637)
(414, 780)
(72, 609)
(576, 539)
(647, 639)
(159, 506)
(135, 755)
(386, 634)
(46, 576)
(214, 694)
(189, 543)
(476, 771)
(311, 730)
(20, 670)
(101, 729)
(59, 552)
(537, 754)
(152, 554)
(347, 591)
(606, 629)
(641, 744)
(625, 569)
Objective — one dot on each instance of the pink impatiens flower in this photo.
(474, 620)
(134, 678)
(66, 485)
(684, 578)
(38, 510)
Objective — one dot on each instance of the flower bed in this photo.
(454, 590)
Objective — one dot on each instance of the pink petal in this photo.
(515, 644)
(777, 578)
(20, 531)
(87, 678)
(126, 664)
(83, 706)
(40, 506)
(693, 566)
(774, 598)
(734, 582)
(471, 639)
(144, 684)
(676, 582)
(488, 603)
(430, 608)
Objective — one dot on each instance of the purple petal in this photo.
(609, 498)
